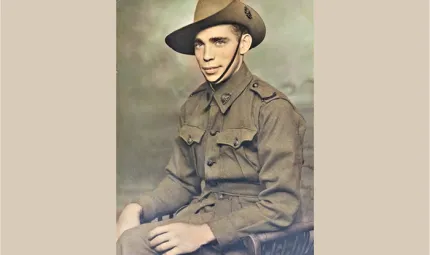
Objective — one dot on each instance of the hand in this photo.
(179, 238)
(129, 218)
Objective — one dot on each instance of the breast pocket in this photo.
(192, 136)
(237, 151)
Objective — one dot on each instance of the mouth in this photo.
(210, 70)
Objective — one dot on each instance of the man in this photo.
(237, 134)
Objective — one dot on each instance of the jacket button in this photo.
(236, 143)
(210, 162)
(213, 132)
(255, 85)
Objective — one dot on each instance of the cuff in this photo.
(148, 208)
(224, 231)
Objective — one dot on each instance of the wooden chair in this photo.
(295, 240)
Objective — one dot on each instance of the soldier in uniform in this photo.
(236, 163)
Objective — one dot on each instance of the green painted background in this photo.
(153, 81)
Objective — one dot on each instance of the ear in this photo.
(245, 44)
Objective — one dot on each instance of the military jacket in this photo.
(244, 139)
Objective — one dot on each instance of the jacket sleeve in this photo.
(178, 187)
(280, 140)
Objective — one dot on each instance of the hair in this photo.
(238, 29)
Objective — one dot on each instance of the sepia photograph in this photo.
(215, 144)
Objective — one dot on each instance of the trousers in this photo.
(135, 241)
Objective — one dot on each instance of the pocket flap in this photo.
(235, 137)
(191, 134)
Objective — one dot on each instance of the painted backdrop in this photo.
(153, 81)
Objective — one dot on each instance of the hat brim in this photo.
(182, 40)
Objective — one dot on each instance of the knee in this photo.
(134, 241)
(130, 236)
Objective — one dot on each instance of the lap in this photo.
(138, 237)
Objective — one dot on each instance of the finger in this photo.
(174, 251)
(165, 246)
(157, 231)
(160, 239)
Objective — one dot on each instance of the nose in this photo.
(208, 54)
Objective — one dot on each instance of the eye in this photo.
(220, 43)
(198, 45)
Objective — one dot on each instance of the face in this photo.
(214, 49)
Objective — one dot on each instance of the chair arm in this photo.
(255, 242)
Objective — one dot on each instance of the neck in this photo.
(240, 64)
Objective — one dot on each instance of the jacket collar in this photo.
(228, 91)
